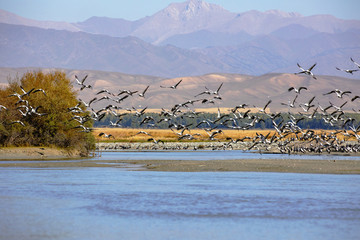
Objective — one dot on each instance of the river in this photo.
(115, 203)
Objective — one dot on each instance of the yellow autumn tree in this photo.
(36, 112)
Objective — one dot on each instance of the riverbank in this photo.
(56, 159)
(31, 153)
(38, 157)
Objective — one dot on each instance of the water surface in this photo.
(110, 203)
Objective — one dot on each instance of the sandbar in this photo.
(52, 158)
(240, 165)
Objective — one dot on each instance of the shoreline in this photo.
(235, 165)
(253, 165)
(37, 157)
(28, 153)
(36, 153)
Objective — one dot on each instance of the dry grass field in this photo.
(203, 110)
(133, 135)
(130, 134)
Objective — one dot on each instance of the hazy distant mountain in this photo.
(10, 18)
(237, 88)
(114, 27)
(194, 16)
(184, 39)
(23, 46)
(181, 18)
(277, 54)
(199, 39)
(28, 46)
(259, 23)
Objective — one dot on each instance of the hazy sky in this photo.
(80, 10)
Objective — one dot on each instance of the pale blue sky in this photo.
(80, 10)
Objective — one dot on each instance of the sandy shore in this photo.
(254, 165)
(241, 165)
(28, 153)
(245, 165)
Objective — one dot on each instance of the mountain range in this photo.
(184, 39)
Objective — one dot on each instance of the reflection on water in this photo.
(108, 203)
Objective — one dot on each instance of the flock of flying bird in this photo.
(289, 136)
(25, 108)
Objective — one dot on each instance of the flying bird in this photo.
(139, 114)
(347, 70)
(105, 91)
(128, 92)
(90, 102)
(216, 92)
(3, 107)
(143, 93)
(338, 92)
(17, 121)
(174, 86)
(39, 90)
(296, 90)
(306, 71)
(26, 93)
(209, 92)
(204, 92)
(102, 134)
(81, 119)
(81, 83)
(116, 124)
(213, 134)
(142, 132)
(266, 105)
(30, 110)
(306, 106)
(118, 100)
(291, 104)
(239, 106)
(355, 97)
(155, 141)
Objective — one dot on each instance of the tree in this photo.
(38, 113)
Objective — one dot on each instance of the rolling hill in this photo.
(237, 89)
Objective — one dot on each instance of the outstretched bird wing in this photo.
(312, 67)
(175, 86)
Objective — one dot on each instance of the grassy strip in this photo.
(131, 134)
